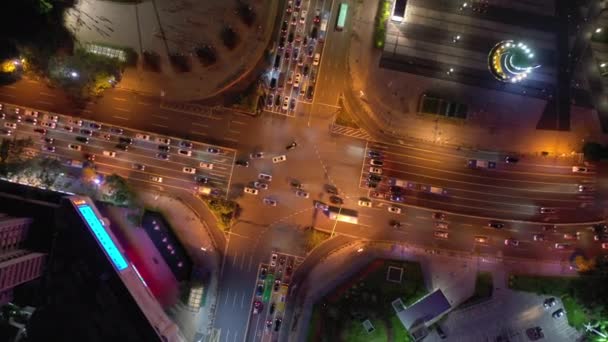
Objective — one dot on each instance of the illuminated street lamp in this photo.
(360, 250)
(74, 74)
(456, 38)
(598, 30)
(450, 71)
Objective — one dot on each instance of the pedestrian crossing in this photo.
(358, 133)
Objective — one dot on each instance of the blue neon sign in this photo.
(103, 237)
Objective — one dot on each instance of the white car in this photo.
(142, 136)
(364, 203)
(109, 154)
(264, 176)
(547, 211)
(296, 83)
(75, 147)
(303, 16)
(273, 259)
(10, 125)
(394, 210)
(375, 170)
(250, 191)
(270, 202)
(156, 179)
(285, 103)
(580, 169)
(75, 122)
(257, 155)
(33, 114)
(207, 166)
(48, 124)
(186, 153)
(165, 141)
(279, 159)
(189, 170)
(316, 59)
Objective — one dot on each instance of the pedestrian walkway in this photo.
(387, 102)
(358, 133)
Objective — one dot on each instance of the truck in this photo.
(398, 182)
(481, 164)
(343, 215)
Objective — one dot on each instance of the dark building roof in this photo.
(424, 310)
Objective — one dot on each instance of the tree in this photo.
(584, 265)
(229, 37)
(116, 190)
(206, 55)
(594, 151)
(88, 174)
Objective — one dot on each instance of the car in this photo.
(481, 239)
(90, 156)
(84, 140)
(296, 51)
(371, 184)
(277, 324)
(214, 150)
(68, 128)
(285, 103)
(604, 245)
(270, 98)
(94, 125)
(309, 92)
(268, 324)
(40, 130)
(277, 101)
(156, 179)
(496, 225)
(111, 154)
(162, 156)
(86, 132)
(17, 110)
(584, 188)
(279, 159)
(394, 210)
(269, 201)
(289, 269)
(580, 169)
(311, 50)
(303, 16)
(142, 136)
(559, 245)
(302, 193)
(511, 242)
(164, 141)
(298, 79)
(54, 118)
(440, 234)
(441, 225)
(204, 165)
(11, 125)
(256, 155)
(374, 178)
(316, 59)
(301, 61)
(116, 130)
(75, 147)
(125, 140)
(538, 237)
(187, 153)
(549, 302)
(33, 114)
(572, 236)
(189, 170)
(547, 210)
(551, 228)
(273, 307)
(438, 216)
(250, 191)
(138, 167)
(48, 124)
(440, 332)
(291, 146)
(263, 273)
(186, 144)
(201, 179)
(74, 122)
(511, 159)
(242, 163)
(288, 9)
(48, 140)
(364, 203)
(122, 147)
(336, 200)
(257, 307)
(558, 314)
(164, 148)
(284, 26)
(17, 118)
(107, 137)
(273, 259)
(321, 206)
(601, 237)
(282, 43)
(32, 121)
(287, 55)
(48, 148)
(375, 170)
(259, 289)
(317, 18)
(376, 162)
(277, 284)
(265, 177)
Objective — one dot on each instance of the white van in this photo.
(109, 154)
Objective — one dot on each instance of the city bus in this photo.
(398, 10)
(342, 16)
(343, 215)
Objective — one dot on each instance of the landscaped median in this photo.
(384, 13)
(222, 209)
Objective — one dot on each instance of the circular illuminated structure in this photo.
(511, 61)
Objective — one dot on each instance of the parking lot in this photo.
(270, 296)
(507, 317)
(297, 54)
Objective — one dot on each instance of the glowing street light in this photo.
(360, 250)
(74, 74)
(598, 30)
(603, 65)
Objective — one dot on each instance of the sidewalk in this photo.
(453, 273)
(194, 235)
(390, 100)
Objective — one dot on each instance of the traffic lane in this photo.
(29, 92)
(438, 152)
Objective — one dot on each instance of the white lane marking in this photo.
(119, 99)
(243, 301)
(234, 300)
(234, 260)
(250, 262)
(160, 117)
(46, 94)
(122, 109)
(45, 102)
(227, 295)
(229, 139)
(7, 95)
(242, 262)
(120, 117)
(157, 125)
(239, 122)
(233, 131)
(199, 133)
(144, 103)
(199, 124)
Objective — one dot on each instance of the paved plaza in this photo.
(168, 27)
